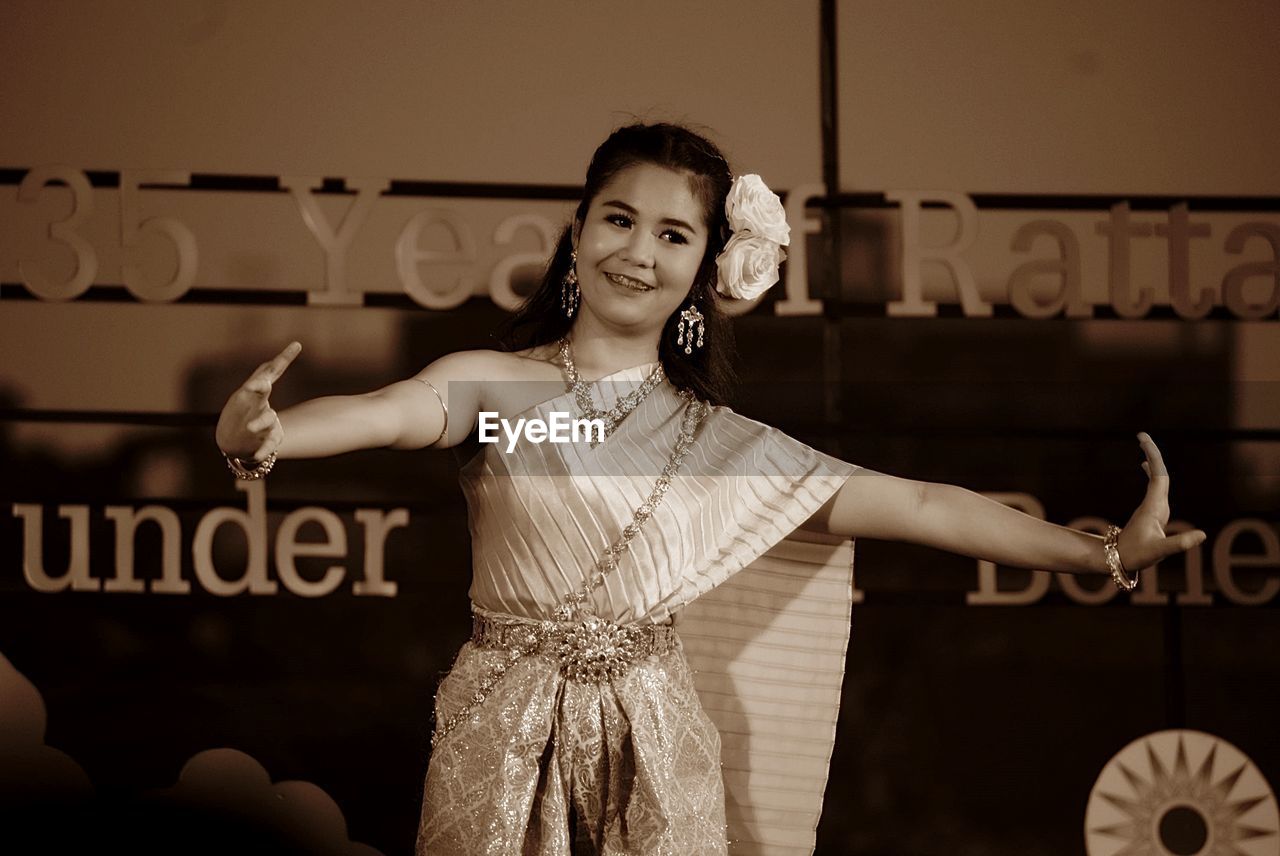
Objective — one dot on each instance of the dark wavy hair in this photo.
(708, 371)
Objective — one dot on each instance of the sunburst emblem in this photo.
(1181, 793)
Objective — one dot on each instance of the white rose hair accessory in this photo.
(748, 265)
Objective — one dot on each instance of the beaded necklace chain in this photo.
(578, 601)
(621, 408)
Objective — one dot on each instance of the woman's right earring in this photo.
(691, 322)
(569, 293)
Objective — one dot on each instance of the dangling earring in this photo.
(569, 293)
(691, 322)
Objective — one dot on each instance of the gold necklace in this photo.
(621, 408)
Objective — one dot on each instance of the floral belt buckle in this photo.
(596, 650)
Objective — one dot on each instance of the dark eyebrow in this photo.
(671, 221)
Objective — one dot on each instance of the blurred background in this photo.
(186, 186)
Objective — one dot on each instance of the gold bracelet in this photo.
(1111, 552)
(258, 470)
(443, 428)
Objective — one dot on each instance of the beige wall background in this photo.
(999, 96)
(459, 91)
(1139, 97)
(989, 96)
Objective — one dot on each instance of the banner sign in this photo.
(322, 537)
(339, 240)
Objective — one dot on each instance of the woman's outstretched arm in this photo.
(408, 414)
(960, 521)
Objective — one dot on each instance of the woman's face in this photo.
(639, 249)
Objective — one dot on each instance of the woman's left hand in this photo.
(1143, 541)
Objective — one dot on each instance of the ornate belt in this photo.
(591, 650)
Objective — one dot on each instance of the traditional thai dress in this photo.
(714, 733)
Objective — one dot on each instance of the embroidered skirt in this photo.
(551, 766)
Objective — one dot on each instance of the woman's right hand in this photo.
(248, 428)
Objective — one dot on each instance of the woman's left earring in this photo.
(569, 293)
(691, 323)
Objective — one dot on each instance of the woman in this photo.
(571, 721)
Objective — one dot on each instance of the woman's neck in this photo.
(598, 354)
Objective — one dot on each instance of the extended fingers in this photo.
(1186, 540)
(264, 451)
(263, 421)
(275, 367)
(259, 383)
(1157, 496)
(1180, 543)
(1154, 465)
(269, 424)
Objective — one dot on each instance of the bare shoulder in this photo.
(486, 365)
(541, 362)
(475, 365)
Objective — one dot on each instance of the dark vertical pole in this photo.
(827, 38)
(831, 246)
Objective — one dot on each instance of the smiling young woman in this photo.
(572, 722)
(637, 255)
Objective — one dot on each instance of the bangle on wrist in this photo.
(251, 470)
(1111, 552)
